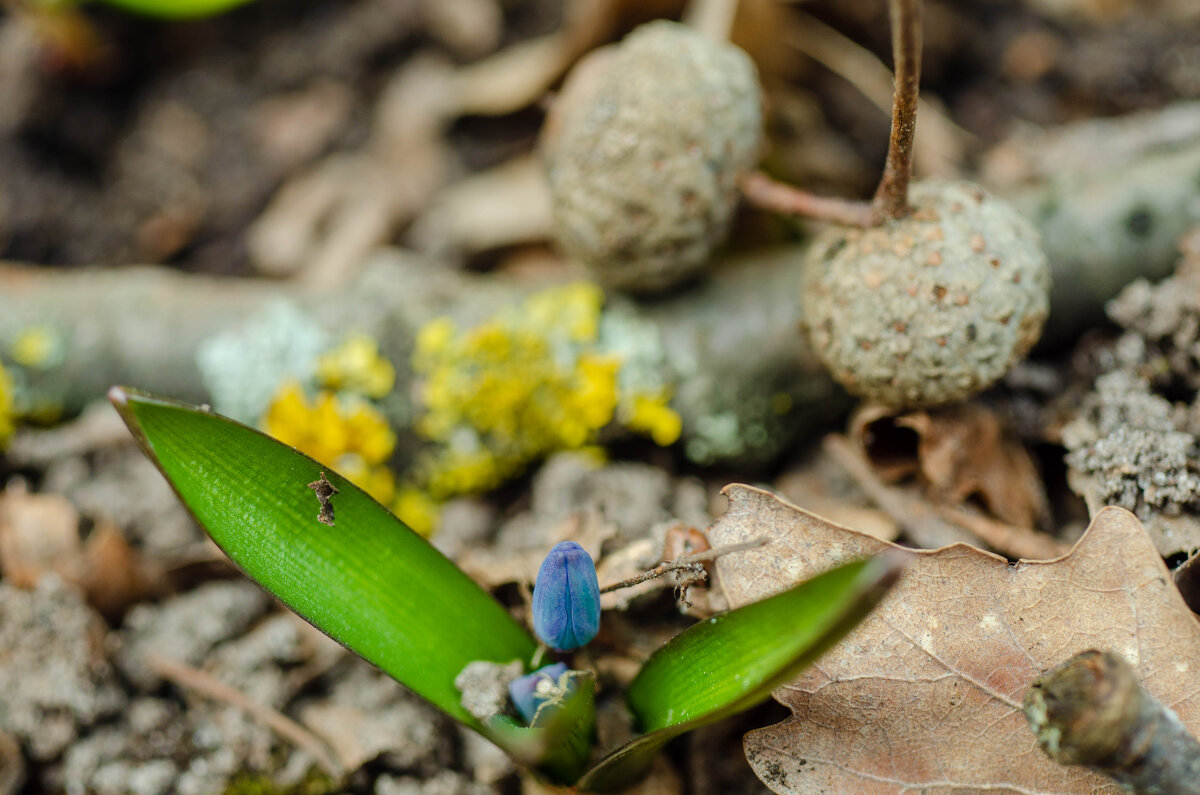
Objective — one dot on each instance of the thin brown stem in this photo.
(691, 563)
(209, 686)
(778, 197)
(711, 18)
(891, 198)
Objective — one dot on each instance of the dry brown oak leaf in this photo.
(925, 695)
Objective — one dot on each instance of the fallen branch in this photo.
(1092, 711)
(146, 326)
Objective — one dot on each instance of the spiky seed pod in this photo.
(644, 152)
(930, 308)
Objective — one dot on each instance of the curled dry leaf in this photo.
(961, 451)
(926, 693)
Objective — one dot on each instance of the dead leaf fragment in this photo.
(39, 533)
(926, 693)
(961, 451)
(115, 576)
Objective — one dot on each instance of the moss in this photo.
(313, 783)
(651, 415)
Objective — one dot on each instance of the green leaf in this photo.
(177, 9)
(731, 662)
(368, 581)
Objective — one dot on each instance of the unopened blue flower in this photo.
(531, 691)
(566, 598)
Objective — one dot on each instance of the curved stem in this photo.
(891, 198)
(778, 197)
(711, 18)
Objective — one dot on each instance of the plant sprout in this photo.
(384, 592)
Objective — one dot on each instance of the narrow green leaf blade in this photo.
(177, 9)
(368, 581)
(731, 662)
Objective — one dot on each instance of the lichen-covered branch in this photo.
(1111, 197)
(724, 356)
(1092, 711)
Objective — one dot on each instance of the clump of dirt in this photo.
(1163, 322)
(1130, 442)
(1134, 441)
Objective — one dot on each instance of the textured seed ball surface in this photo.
(645, 156)
(931, 308)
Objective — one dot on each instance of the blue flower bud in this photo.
(566, 598)
(545, 684)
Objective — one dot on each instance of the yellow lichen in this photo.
(652, 415)
(348, 435)
(573, 308)
(36, 347)
(781, 402)
(356, 366)
(417, 509)
(512, 390)
(7, 412)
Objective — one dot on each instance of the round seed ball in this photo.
(931, 308)
(644, 155)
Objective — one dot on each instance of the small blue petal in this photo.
(566, 598)
(526, 694)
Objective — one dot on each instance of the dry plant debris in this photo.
(1092, 711)
(1133, 441)
(926, 693)
(961, 451)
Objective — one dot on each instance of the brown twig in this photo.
(891, 198)
(1092, 711)
(778, 197)
(690, 563)
(209, 686)
(711, 18)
